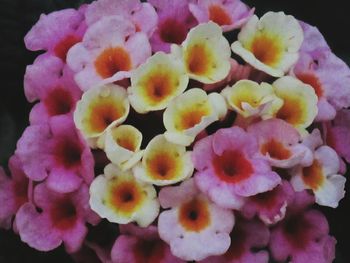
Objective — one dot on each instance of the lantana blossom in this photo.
(13, 191)
(205, 53)
(57, 32)
(137, 244)
(142, 15)
(121, 198)
(279, 143)
(229, 14)
(303, 235)
(194, 227)
(321, 176)
(174, 22)
(51, 82)
(62, 156)
(62, 219)
(271, 43)
(164, 162)
(110, 49)
(228, 169)
(190, 113)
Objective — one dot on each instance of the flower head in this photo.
(270, 44)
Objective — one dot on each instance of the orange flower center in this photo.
(111, 61)
(313, 175)
(188, 118)
(267, 49)
(126, 197)
(198, 59)
(62, 48)
(218, 15)
(275, 149)
(232, 167)
(291, 111)
(194, 215)
(313, 81)
(163, 166)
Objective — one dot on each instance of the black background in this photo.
(17, 17)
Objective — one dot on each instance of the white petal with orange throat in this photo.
(121, 198)
(164, 163)
(270, 44)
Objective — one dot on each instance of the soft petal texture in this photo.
(61, 155)
(141, 245)
(269, 206)
(164, 163)
(299, 102)
(229, 15)
(110, 49)
(156, 82)
(13, 191)
(120, 198)
(51, 82)
(303, 235)
(62, 219)
(143, 15)
(195, 228)
(248, 239)
(227, 165)
(270, 44)
(99, 109)
(250, 99)
(279, 143)
(190, 113)
(205, 53)
(56, 32)
(174, 22)
(321, 177)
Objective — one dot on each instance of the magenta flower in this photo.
(62, 219)
(338, 134)
(279, 143)
(110, 49)
(51, 82)
(142, 15)
(141, 245)
(229, 168)
(194, 227)
(229, 14)
(248, 238)
(57, 32)
(61, 155)
(269, 206)
(13, 191)
(174, 22)
(303, 234)
(325, 72)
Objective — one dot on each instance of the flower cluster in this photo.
(194, 148)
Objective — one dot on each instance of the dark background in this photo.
(17, 17)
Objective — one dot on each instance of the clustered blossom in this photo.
(205, 158)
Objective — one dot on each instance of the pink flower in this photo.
(338, 134)
(279, 143)
(57, 32)
(269, 206)
(62, 219)
(303, 234)
(56, 152)
(141, 245)
(325, 72)
(174, 22)
(229, 14)
(229, 168)
(194, 227)
(142, 15)
(110, 49)
(13, 191)
(51, 82)
(246, 238)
